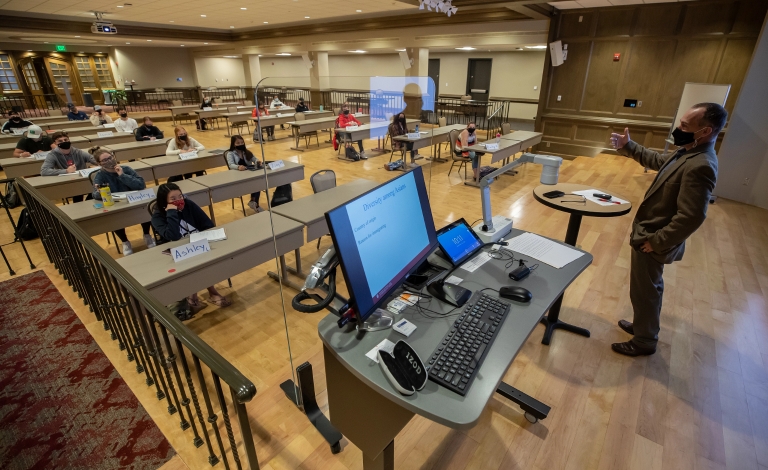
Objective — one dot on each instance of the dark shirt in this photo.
(128, 181)
(30, 145)
(144, 132)
(6, 129)
(77, 116)
(167, 224)
(301, 107)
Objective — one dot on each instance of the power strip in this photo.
(502, 226)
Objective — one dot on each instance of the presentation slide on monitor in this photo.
(389, 230)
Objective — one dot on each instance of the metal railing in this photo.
(153, 338)
(289, 96)
(30, 105)
(487, 115)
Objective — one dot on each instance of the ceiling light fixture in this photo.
(243, 8)
(119, 6)
(465, 48)
(127, 42)
(535, 47)
(400, 50)
(359, 11)
(203, 16)
(266, 22)
(149, 40)
(357, 51)
(283, 53)
(182, 45)
(231, 27)
(231, 56)
(77, 36)
(306, 17)
(205, 43)
(441, 6)
(171, 21)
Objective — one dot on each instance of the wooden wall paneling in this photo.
(749, 17)
(568, 78)
(603, 76)
(553, 129)
(595, 134)
(709, 18)
(646, 62)
(576, 25)
(733, 66)
(658, 139)
(659, 20)
(693, 61)
(615, 22)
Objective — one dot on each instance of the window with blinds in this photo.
(30, 76)
(103, 72)
(85, 71)
(8, 80)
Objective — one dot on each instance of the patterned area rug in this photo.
(62, 403)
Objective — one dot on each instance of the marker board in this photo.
(695, 93)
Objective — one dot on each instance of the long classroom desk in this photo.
(115, 138)
(248, 244)
(7, 148)
(281, 118)
(183, 111)
(135, 150)
(56, 188)
(310, 210)
(434, 137)
(319, 124)
(367, 131)
(509, 145)
(66, 124)
(97, 221)
(171, 165)
(43, 119)
(219, 112)
(77, 131)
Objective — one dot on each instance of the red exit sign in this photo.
(616, 57)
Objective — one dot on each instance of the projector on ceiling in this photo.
(103, 27)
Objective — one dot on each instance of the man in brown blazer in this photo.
(673, 208)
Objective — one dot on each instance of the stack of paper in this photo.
(588, 194)
(213, 235)
(543, 249)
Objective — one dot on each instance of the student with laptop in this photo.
(239, 158)
(120, 179)
(35, 141)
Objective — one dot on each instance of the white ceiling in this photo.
(569, 5)
(220, 15)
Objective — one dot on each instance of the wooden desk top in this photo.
(321, 120)
(224, 178)
(311, 208)
(590, 209)
(138, 144)
(434, 132)
(45, 181)
(173, 159)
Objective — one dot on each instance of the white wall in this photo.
(284, 71)
(353, 72)
(154, 67)
(743, 156)
(219, 72)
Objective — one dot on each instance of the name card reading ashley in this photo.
(180, 253)
(105, 134)
(494, 146)
(187, 155)
(276, 164)
(139, 196)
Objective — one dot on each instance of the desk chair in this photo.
(242, 204)
(238, 125)
(247, 103)
(320, 181)
(91, 177)
(442, 121)
(307, 135)
(505, 128)
(55, 112)
(392, 149)
(336, 111)
(461, 159)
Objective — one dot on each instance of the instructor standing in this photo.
(673, 208)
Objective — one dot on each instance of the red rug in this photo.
(62, 403)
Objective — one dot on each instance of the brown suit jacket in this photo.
(676, 204)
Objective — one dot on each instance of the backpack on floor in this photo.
(25, 230)
(11, 198)
(201, 124)
(352, 154)
(282, 195)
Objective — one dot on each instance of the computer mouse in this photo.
(516, 293)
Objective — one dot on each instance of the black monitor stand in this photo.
(449, 293)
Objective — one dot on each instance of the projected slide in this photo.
(389, 230)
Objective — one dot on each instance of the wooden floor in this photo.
(700, 403)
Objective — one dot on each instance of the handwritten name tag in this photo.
(276, 164)
(19, 130)
(40, 155)
(413, 135)
(180, 253)
(207, 108)
(138, 196)
(279, 114)
(352, 128)
(109, 125)
(105, 134)
(88, 171)
(187, 155)
(494, 146)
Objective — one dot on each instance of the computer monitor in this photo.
(381, 237)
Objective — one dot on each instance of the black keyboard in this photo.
(459, 355)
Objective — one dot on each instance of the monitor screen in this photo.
(381, 237)
(458, 241)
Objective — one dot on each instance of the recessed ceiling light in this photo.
(259, 55)
(46, 42)
(231, 27)
(306, 17)
(182, 45)
(357, 51)
(400, 50)
(203, 16)
(127, 42)
(29, 50)
(171, 21)
(77, 36)
(465, 48)
(283, 53)
(231, 56)
(359, 11)
(149, 40)
(243, 8)
(535, 47)
(119, 6)
(205, 43)
(266, 22)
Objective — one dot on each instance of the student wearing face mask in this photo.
(120, 179)
(399, 127)
(125, 124)
(148, 131)
(75, 114)
(99, 117)
(175, 218)
(347, 119)
(301, 107)
(14, 122)
(35, 141)
(64, 158)
(673, 208)
(182, 143)
(240, 158)
(467, 138)
(262, 111)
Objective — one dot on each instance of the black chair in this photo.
(320, 181)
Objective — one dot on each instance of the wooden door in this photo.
(61, 77)
(30, 76)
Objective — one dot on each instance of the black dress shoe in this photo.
(627, 326)
(631, 349)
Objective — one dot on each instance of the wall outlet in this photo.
(559, 98)
(535, 87)
(548, 144)
(639, 104)
(580, 18)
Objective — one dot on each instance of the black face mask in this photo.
(683, 138)
(147, 125)
(183, 137)
(471, 130)
(123, 115)
(65, 145)
(346, 111)
(240, 147)
(15, 119)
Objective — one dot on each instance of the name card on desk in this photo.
(88, 171)
(139, 196)
(188, 155)
(279, 114)
(180, 253)
(494, 146)
(413, 135)
(109, 125)
(105, 134)
(276, 164)
(19, 130)
(352, 128)
(40, 155)
(207, 108)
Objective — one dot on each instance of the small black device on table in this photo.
(455, 362)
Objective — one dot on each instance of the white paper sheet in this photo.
(385, 345)
(456, 280)
(588, 194)
(543, 249)
(476, 262)
(210, 235)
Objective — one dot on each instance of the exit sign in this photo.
(61, 48)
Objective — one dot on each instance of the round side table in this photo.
(577, 209)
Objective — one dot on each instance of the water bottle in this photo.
(106, 195)
(417, 128)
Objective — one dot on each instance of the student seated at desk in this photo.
(119, 179)
(347, 119)
(64, 158)
(277, 104)
(301, 107)
(75, 114)
(176, 217)
(399, 127)
(147, 131)
(262, 111)
(201, 123)
(467, 138)
(180, 144)
(35, 141)
(14, 122)
(240, 158)
(125, 124)
(99, 117)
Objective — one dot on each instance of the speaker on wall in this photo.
(556, 53)
(405, 60)
(307, 62)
